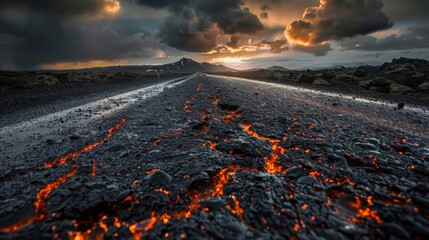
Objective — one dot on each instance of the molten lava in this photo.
(230, 117)
(365, 212)
(199, 87)
(40, 204)
(164, 137)
(71, 156)
(94, 169)
(219, 181)
(272, 164)
(186, 105)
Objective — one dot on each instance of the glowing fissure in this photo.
(40, 204)
(71, 156)
(220, 180)
(272, 164)
(156, 143)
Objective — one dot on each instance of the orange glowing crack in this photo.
(365, 212)
(238, 210)
(95, 231)
(71, 156)
(230, 117)
(186, 105)
(199, 87)
(164, 137)
(40, 204)
(220, 180)
(213, 145)
(310, 136)
(94, 169)
(216, 100)
(272, 164)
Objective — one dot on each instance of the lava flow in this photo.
(219, 181)
(365, 212)
(193, 98)
(40, 204)
(272, 164)
(71, 156)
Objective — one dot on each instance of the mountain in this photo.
(277, 68)
(185, 65)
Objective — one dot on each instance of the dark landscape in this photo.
(214, 119)
(222, 158)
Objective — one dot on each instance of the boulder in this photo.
(396, 88)
(42, 80)
(424, 86)
(321, 82)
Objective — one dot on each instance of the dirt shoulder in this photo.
(25, 95)
(401, 81)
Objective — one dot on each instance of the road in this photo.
(218, 158)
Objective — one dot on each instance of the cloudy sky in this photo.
(62, 34)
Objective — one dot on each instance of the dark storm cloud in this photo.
(407, 11)
(192, 24)
(233, 42)
(189, 32)
(409, 38)
(277, 46)
(316, 50)
(40, 37)
(338, 19)
(61, 7)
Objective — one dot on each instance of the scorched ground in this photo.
(224, 158)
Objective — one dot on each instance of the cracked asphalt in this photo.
(211, 157)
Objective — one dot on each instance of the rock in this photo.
(394, 230)
(401, 105)
(158, 178)
(308, 180)
(238, 229)
(365, 84)
(321, 82)
(418, 75)
(373, 141)
(278, 75)
(115, 148)
(360, 73)
(346, 78)
(74, 137)
(366, 146)
(396, 88)
(424, 86)
(214, 204)
(331, 235)
(402, 68)
(168, 109)
(296, 172)
(42, 80)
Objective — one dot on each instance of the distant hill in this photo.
(277, 68)
(184, 65)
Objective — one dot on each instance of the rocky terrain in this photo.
(26, 95)
(403, 79)
(221, 158)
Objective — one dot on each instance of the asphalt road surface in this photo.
(210, 157)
